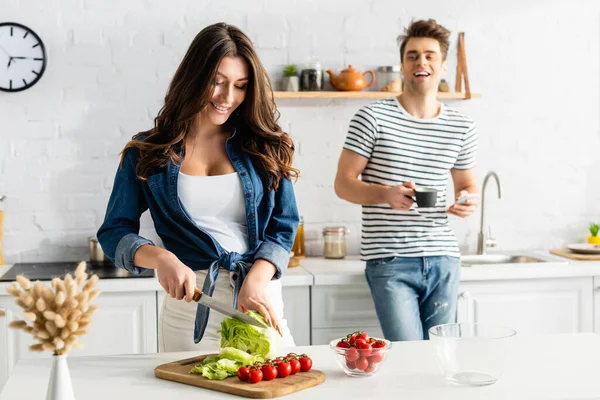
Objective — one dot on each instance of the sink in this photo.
(478, 259)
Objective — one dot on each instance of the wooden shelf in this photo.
(362, 95)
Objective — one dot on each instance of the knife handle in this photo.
(197, 294)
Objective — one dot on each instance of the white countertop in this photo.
(548, 367)
(351, 270)
(296, 276)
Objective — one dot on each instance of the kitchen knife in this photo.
(226, 309)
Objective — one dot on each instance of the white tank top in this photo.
(216, 204)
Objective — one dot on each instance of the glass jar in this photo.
(298, 247)
(389, 78)
(334, 242)
(1, 222)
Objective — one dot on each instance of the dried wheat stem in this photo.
(18, 324)
(36, 347)
(24, 282)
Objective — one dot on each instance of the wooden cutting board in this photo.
(575, 256)
(179, 371)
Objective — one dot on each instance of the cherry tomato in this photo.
(350, 364)
(295, 364)
(344, 344)
(359, 342)
(363, 347)
(243, 373)
(351, 339)
(269, 372)
(352, 354)
(375, 357)
(255, 375)
(370, 367)
(305, 363)
(378, 344)
(283, 369)
(372, 340)
(362, 335)
(362, 363)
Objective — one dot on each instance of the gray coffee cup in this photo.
(426, 197)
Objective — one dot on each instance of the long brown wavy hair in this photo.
(260, 136)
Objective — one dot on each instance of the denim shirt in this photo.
(271, 216)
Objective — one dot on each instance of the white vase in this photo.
(59, 386)
(291, 84)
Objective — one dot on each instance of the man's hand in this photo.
(400, 197)
(463, 210)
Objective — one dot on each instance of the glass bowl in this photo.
(368, 362)
(472, 354)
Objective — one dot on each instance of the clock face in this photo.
(22, 57)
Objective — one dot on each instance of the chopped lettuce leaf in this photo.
(229, 366)
(240, 356)
(214, 372)
(211, 359)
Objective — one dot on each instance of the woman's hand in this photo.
(252, 293)
(176, 278)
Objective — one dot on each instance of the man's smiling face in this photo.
(422, 65)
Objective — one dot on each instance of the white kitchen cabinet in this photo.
(531, 307)
(597, 304)
(124, 323)
(296, 310)
(341, 309)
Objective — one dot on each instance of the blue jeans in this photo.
(412, 294)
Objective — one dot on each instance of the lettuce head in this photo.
(263, 342)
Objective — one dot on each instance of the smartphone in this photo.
(463, 199)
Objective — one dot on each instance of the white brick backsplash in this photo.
(62, 221)
(110, 64)
(71, 182)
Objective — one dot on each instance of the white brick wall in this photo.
(536, 64)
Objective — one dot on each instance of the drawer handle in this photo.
(466, 295)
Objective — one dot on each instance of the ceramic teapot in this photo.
(350, 79)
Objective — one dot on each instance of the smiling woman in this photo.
(215, 172)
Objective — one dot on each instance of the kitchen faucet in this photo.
(482, 242)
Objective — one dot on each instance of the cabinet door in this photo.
(124, 323)
(597, 304)
(532, 307)
(296, 310)
(7, 340)
(348, 306)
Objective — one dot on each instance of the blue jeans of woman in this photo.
(412, 294)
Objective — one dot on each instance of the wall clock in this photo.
(22, 57)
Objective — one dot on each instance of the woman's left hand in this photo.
(252, 293)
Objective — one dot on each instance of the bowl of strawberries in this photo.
(360, 355)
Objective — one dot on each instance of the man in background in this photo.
(397, 145)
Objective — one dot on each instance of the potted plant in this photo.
(594, 238)
(290, 78)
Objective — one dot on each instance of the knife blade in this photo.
(226, 309)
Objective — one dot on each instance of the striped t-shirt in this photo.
(403, 148)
